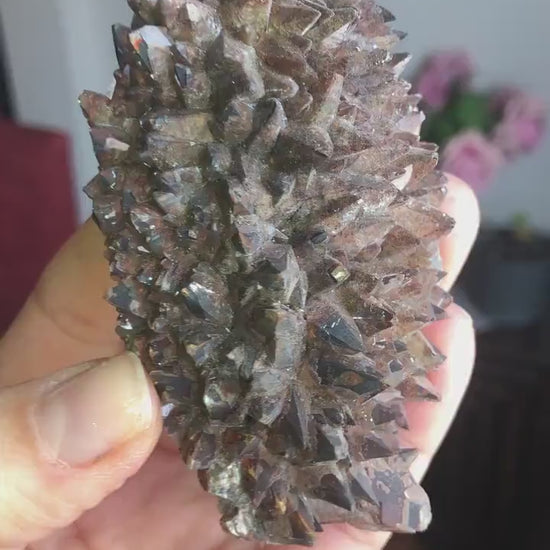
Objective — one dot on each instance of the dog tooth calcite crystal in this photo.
(272, 224)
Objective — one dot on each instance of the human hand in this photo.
(83, 464)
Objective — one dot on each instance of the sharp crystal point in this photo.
(271, 218)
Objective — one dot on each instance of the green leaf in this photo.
(438, 128)
(464, 111)
(471, 110)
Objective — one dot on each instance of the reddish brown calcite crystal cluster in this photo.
(272, 223)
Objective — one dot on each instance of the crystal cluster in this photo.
(272, 220)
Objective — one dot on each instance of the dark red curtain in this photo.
(36, 209)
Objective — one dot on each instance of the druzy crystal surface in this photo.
(272, 225)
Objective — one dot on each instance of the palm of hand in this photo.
(162, 506)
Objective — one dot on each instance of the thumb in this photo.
(69, 440)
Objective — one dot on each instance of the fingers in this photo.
(430, 421)
(68, 441)
(461, 204)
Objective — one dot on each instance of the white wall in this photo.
(56, 49)
(86, 28)
(59, 47)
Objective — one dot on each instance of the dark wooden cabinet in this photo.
(490, 482)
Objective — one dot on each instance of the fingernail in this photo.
(99, 408)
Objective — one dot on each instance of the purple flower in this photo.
(440, 74)
(523, 122)
(472, 157)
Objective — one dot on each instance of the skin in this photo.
(139, 496)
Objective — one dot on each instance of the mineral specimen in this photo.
(272, 224)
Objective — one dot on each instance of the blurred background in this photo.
(483, 67)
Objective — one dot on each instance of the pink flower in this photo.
(440, 74)
(473, 158)
(523, 123)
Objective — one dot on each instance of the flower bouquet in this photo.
(478, 131)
